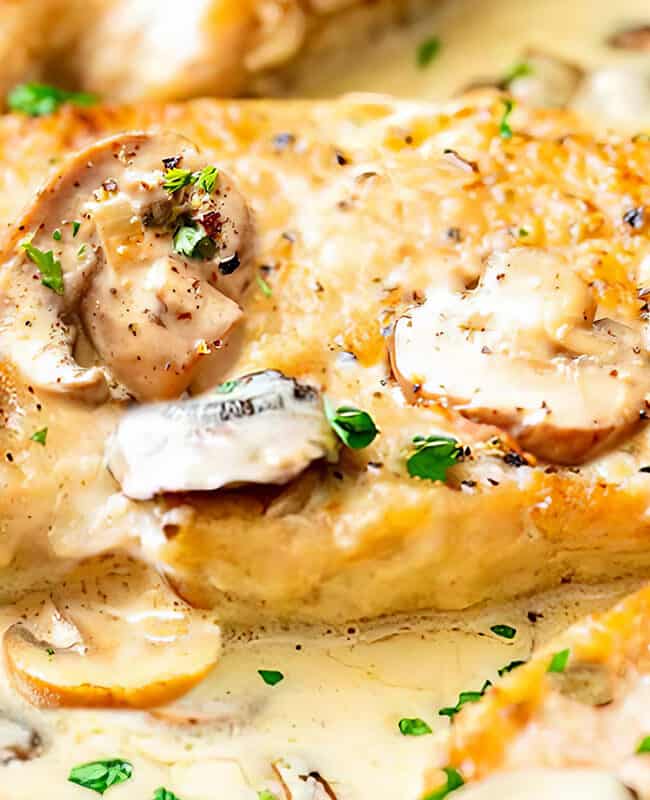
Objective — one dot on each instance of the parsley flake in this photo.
(432, 457)
(264, 287)
(75, 228)
(164, 794)
(505, 131)
(355, 428)
(207, 179)
(644, 745)
(57, 235)
(559, 661)
(454, 781)
(101, 775)
(413, 727)
(427, 51)
(505, 631)
(270, 676)
(227, 387)
(266, 795)
(463, 699)
(40, 437)
(177, 179)
(38, 99)
(521, 70)
(194, 242)
(48, 266)
(509, 667)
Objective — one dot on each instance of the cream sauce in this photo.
(342, 695)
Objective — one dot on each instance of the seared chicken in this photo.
(366, 211)
(147, 49)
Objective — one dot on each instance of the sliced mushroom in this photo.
(548, 81)
(18, 741)
(149, 312)
(299, 783)
(522, 351)
(224, 715)
(124, 640)
(588, 683)
(634, 38)
(262, 428)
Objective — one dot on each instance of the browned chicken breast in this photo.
(324, 361)
(146, 49)
(573, 720)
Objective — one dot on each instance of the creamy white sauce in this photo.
(343, 695)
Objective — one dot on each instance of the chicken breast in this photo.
(365, 211)
(147, 49)
(580, 704)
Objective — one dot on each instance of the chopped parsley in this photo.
(644, 745)
(270, 676)
(57, 235)
(164, 794)
(207, 179)
(81, 251)
(413, 727)
(509, 667)
(521, 70)
(50, 651)
(75, 228)
(427, 51)
(38, 99)
(454, 781)
(192, 241)
(264, 287)
(176, 179)
(101, 775)
(559, 661)
(505, 631)
(40, 437)
(432, 457)
(227, 387)
(355, 428)
(48, 266)
(505, 131)
(266, 795)
(463, 699)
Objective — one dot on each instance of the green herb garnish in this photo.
(520, 70)
(644, 745)
(101, 775)
(505, 131)
(505, 631)
(81, 251)
(227, 387)
(266, 795)
(50, 651)
(57, 235)
(164, 794)
(463, 699)
(413, 727)
(559, 661)
(427, 51)
(207, 179)
(264, 287)
(176, 179)
(454, 781)
(355, 428)
(75, 228)
(38, 99)
(270, 676)
(194, 242)
(432, 457)
(48, 266)
(509, 667)
(40, 437)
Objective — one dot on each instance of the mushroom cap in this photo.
(522, 351)
(149, 311)
(262, 428)
(142, 648)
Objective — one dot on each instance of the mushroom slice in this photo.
(522, 352)
(142, 245)
(299, 783)
(547, 81)
(18, 741)
(261, 428)
(126, 640)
